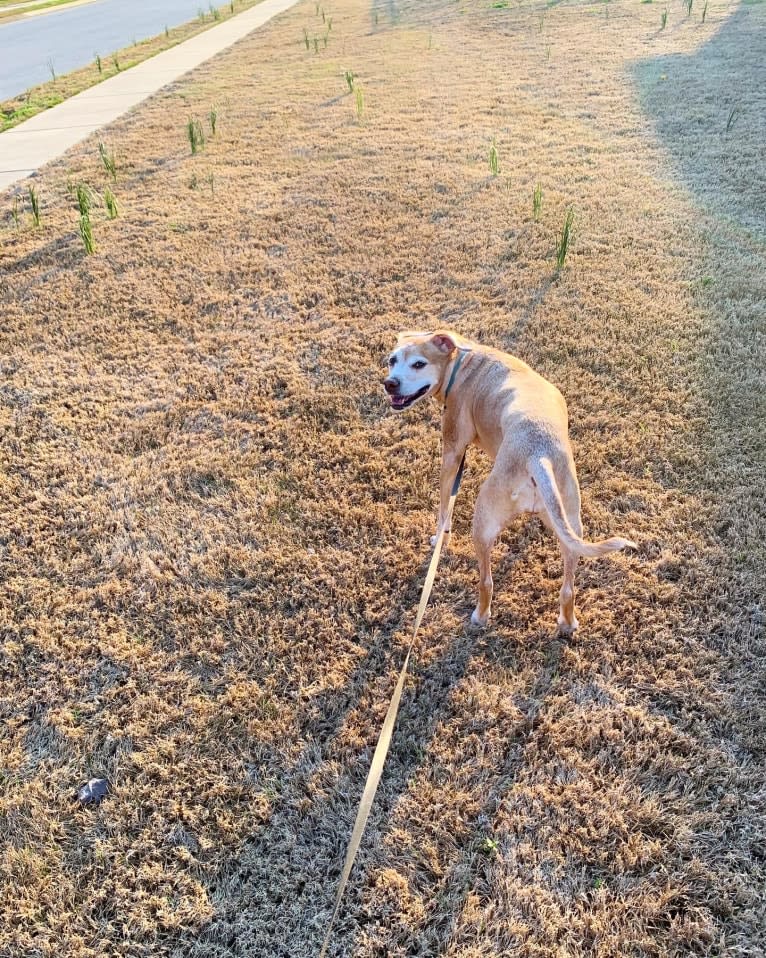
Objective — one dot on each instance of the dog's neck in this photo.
(450, 375)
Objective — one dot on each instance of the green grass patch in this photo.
(565, 239)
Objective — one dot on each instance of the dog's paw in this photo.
(478, 621)
(567, 628)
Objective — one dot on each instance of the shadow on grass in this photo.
(275, 897)
(708, 112)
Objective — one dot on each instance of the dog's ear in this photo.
(444, 342)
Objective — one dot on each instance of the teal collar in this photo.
(462, 351)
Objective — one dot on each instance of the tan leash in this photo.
(381, 749)
(384, 741)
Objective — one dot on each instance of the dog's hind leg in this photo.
(494, 511)
(567, 620)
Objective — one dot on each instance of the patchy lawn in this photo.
(213, 532)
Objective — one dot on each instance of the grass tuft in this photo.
(213, 118)
(15, 211)
(108, 160)
(34, 202)
(494, 159)
(733, 117)
(359, 94)
(86, 232)
(565, 238)
(84, 196)
(99, 64)
(704, 11)
(537, 201)
(663, 19)
(110, 202)
(195, 134)
(349, 76)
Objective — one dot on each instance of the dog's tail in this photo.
(542, 473)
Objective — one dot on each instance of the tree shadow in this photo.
(707, 109)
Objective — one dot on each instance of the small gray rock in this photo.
(93, 791)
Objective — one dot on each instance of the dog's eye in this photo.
(419, 364)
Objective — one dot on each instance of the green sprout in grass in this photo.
(324, 16)
(84, 196)
(488, 846)
(733, 116)
(704, 11)
(116, 62)
(565, 239)
(349, 76)
(663, 19)
(195, 134)
(34, 202)
(167, 32)
(86, 232)
(98, 64)
(358, 93)
(537, 201)
(213, 117)
(306, 38)
(15, 211)
(110, 202)
(316, 44)
(108, 160)
(215, 13)
(231, 7)
(329, 24)
(688, 4)
(324, 40)
(51, 68)
(211, 183)
(494, 159)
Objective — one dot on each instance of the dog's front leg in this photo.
(452, 456)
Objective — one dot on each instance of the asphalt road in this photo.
(71, 37)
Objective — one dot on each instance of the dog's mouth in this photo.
(402, 402)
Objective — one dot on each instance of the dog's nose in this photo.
(391, 384)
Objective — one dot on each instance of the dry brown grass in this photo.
(213, 534)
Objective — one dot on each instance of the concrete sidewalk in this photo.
(46, 136)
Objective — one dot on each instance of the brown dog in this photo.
(495, 401)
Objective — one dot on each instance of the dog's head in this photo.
(417, 365)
